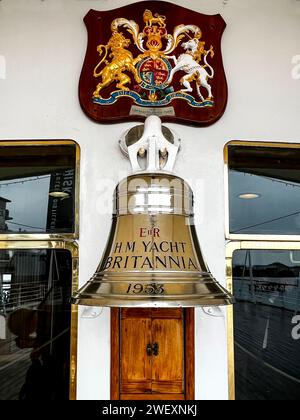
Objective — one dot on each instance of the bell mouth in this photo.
(153, 289)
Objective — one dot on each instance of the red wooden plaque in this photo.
(153, 57)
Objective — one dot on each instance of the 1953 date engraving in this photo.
(148, 289)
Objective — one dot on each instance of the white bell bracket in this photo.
(150, 142)
(213, 311)
(91, 312)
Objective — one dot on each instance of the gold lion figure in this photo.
(122, 60)
(150, 20)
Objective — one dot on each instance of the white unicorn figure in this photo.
(189, 63)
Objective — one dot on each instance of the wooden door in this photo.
(152, 354)
(136, 369)
(168, 365)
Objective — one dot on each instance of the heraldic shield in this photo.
(153, 58)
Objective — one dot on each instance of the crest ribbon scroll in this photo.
(153, 57)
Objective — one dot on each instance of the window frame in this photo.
(51, 236)
(250, 237)
(72, 247)
(231, 248)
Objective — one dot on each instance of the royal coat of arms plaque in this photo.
(153, 58)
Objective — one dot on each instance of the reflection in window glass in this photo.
(264, 190)
(266, 324)
(35, 319)
(37, 189)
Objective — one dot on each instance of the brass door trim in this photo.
(231, 247)
(251, 237)
(45, 236)
(72, 247)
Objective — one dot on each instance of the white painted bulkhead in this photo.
(42, 47)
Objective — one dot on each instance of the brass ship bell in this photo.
(153, 257)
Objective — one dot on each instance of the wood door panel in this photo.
(170, 387)
(168, 366)
(168, 376)
(141, 387)
(158, 313)
(135, 364)
(136, 313)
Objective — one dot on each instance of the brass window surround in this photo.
(64, 241)
(46, 236)
(231, 248)
(237, 242)
(72, 247)
(251, 237)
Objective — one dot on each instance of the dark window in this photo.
(264, 190)
(35, 320)
(267, 324)
(37, 189)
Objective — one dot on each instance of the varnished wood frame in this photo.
(189, 343)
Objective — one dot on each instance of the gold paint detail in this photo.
(122, 60)
(118, 65)
(151, 20)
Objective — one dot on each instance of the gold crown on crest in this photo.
(154, 30)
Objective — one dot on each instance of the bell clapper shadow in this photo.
(153, 258)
